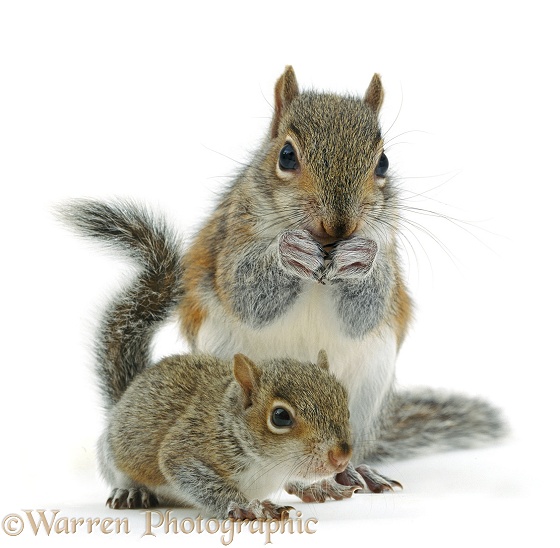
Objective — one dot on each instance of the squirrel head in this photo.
(326, 152)
(297, 414)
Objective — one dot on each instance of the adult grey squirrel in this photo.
(301, 255)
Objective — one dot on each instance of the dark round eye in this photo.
(281, 417)
(288, 158)
(382, 166)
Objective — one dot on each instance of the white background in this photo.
(160, 101)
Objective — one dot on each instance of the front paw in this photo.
(301, 255)
(257, 509)
(351, 259)
(322, 490)
(369, 480)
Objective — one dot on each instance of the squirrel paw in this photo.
(257, 509)
(351, 259)
(136, 497)
(322, 490)
(301, 255)
(371, 481)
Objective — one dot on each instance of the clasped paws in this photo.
(302, 256)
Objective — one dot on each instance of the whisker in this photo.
(396, 117)
(403, 133)
(226, 156)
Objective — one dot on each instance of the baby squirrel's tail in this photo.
(124, 339)
(425, 421)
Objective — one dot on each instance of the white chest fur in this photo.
(364, 365)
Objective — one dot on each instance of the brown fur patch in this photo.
(403, 316)
(142, 473)
(198, 261)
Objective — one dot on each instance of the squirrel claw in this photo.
(350, 477)
(259, 510)
(135, 497)
(375, 482)
(322, 490)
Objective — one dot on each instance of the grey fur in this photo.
(128, 325)
(424, 420)
(364, 303)
(262, 290)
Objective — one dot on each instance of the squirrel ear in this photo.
(322, 360)
(374, 94)
(247, 375)
(285, 91)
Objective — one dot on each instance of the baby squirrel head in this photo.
(297, 414)
(326, 151)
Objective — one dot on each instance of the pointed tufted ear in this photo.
(247, 374)
(285, 91)
(322, 360)
(374, 94)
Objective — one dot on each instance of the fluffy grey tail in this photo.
(129, 323)
(426, 421)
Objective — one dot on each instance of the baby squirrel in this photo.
(301, 254)
(195, 429)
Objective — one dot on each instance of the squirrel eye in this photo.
(382, 166)
(281, 417)
(288, 158)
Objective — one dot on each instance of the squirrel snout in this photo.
(340, 457)
(337, 230)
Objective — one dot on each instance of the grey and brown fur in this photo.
(194, 429)
(123, 342)
(293, 262)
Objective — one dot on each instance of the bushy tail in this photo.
(426, 421)
(129, 323)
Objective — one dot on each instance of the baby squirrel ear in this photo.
(374, 94)
(247, 374)
(285, 91)
(322, 360)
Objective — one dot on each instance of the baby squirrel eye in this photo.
(288, 159)
(281, 417)
(382, 166)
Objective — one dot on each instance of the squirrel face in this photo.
(303, 425)
(326, 153)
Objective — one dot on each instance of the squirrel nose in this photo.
(339, 230)
(340, 457)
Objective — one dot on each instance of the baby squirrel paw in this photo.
(136, 497)
(351, 259)
(300, 254)
(322, 490)
(257, 509)
(371, 481)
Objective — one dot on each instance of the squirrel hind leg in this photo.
(131, 498)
